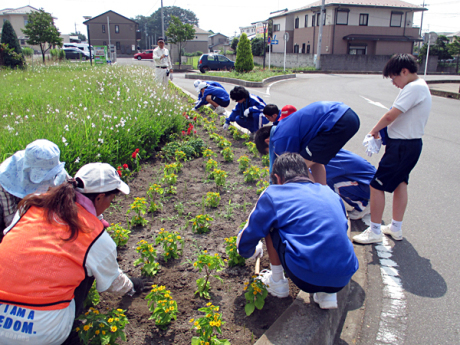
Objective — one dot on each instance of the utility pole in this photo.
(108, 31)
(320, 36)
(421, 22)
(162, 21)
(146, 34)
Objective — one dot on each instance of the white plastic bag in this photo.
(371, 144)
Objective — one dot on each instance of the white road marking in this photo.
(393, 317)
(378, 104)
(275, 82)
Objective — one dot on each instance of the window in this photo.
(118, 45)
(396, 18)
(276, 27)
(222, 58)
(26, 20)
(296, 48)
(296, 23)
(117, 29)
(303, 48)
(306, 20)
(23, 42)
(357, 50)
(342, 17)
(308, 49)
(318, 16)
(313, 17)
(363, 19)
(103, 28)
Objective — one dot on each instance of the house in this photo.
(111, 28)
(18, 17)
(452, 36)
(198, 43)
(218, 42)
(351, 27)
(249, 30)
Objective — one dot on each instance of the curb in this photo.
(239, 81)
(446, 94)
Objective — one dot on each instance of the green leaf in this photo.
(195, 341)
(249, 308)
(249, 296)
(260, 301)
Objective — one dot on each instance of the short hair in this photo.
(288, 166)
(397, 62)
(271, 109)
(238, 93)
(259, 139)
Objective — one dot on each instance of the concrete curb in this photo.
(444, 93)
(239, 81)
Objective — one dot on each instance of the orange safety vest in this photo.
(38, 269)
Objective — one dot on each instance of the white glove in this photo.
(225, 126)
(193, 109)
(372, 145)
(259, 252)
(246, 112)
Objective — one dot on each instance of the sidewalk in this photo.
(445, 88)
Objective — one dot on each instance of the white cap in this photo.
(100, 178)
(196, 83)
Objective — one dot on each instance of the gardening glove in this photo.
(225, 126)
(139, 285)
(246, 112)
(259, 252)
(372, 145)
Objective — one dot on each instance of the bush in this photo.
(12, 57)
(198, 53)
(257, 45)
(244, 60)
(26, 51)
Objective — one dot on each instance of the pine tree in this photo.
(9, 37)
(244, 60)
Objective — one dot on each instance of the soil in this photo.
(179, 275)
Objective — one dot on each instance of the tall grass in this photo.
(94, 114)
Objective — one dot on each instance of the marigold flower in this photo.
(113, 329)
(103, 332)
(77, 329)
(86, 327)
(191, 320)
(110, 320)
(97, 332)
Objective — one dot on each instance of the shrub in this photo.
(26, 51)
(244, 60)
(9, 37)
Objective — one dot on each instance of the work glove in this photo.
(371, 144)
(225, 126)
(246, 112)
(259, 252)
(139, 285)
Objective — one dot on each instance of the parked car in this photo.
(81, 46)
(148, 54)
(215, 62)
(75, 54)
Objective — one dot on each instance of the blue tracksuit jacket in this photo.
(349, 175)
(312, 222)
(255, 119)
(214, 91)
(294, 133)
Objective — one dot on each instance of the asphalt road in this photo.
(428, 257)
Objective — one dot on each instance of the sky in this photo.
(224, 16)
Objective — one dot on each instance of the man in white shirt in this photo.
(162, 62)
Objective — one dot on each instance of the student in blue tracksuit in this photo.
(197, 83)
(216, 96)
(317, 131)
(349, 175)
(248, 111)
(305, 229)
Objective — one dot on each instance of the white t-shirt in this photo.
(164, 62)
(414, 100)
(52, 327)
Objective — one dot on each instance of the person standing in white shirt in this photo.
(162, 62)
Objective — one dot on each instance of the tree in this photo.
(41, 30)
(153, 22)
(178, 33)
(234, 43)
(81, 37)
(244, 60)
(257, 46)
(439, 49)
(10, 40)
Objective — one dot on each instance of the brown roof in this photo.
(363, 3)
(200, 31)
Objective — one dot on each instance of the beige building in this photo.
(354, 27)
(18, 18)
(111, 28)
(218, 42)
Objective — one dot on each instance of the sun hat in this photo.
(33, 170)
(286, 111)
(100, 178)
(196, 83)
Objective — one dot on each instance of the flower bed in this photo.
(203, 230)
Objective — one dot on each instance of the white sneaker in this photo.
(220, 110)
(326, 300)
(278, 289)
(397, 235)
(355, 214)
(368, 236)
(212, 107)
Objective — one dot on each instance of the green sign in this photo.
(100, 55)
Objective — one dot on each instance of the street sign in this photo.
(286, 36)
(274, 42)
(269, 40)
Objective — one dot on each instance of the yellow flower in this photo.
(194, 264)
(110, 320)
(191, 320)
(208, 304)
(103, 332)
(86, 327)
(97, 332)
(205, 251)
(254, 292)
(101, 325)
(218, 323)
(212, 323)
(77, 329)
(113, 329)
(96, 312)
(120, 310)
(196, 323)
(117, 319)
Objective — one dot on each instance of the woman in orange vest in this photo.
(51, 255)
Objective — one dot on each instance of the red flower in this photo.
(119, 168)
(194, 132)
(188, 131)
(119, 173)
(136, 150)
(184, 113)
(125, 166)
(194, 119)
(134, 155)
